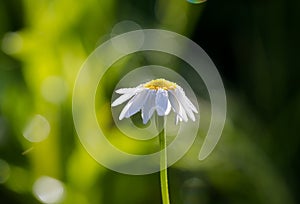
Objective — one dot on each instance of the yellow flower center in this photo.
(160, 84)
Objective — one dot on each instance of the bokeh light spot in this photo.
(194, 191)
(12, 43)
(48, 190)
(37, 129)
(124, 45)
(124, 27)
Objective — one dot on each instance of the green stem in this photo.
(163, 164)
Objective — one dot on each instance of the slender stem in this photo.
(163, 163)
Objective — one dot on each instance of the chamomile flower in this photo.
(158, 95)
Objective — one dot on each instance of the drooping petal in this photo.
(129, 90)
(178, 108)
(183, 114)
(187, 100)
(125, 109)
(169, 107)
(181, 99)
(177, 119)
(127, 94)
(149, 106)
(137, 103)
(122, 99)
(161, 102)
(125, 90)
(174, 102)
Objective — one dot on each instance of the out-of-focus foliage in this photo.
(254, 45)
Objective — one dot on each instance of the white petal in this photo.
(149, 106)
(127, 106)
(168, 108)
(183, 114)
(178, 108)
(174, 102)
(125, 109)
(123, 98)
(125, 90)
(187, 100)
(128, 93)
(129, 90)
(177, 119)
(137, 103)
(161, 102)
(184, 104)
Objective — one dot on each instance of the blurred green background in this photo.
(255, 46)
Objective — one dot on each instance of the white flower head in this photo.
(158, 95)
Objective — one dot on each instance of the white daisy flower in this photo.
(158, 95)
